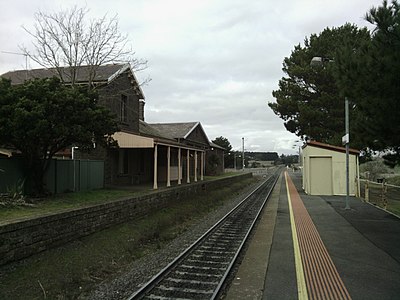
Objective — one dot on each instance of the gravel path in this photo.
(146, 267)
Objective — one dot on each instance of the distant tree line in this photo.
(356, 63)
(288, 160)
(263, 156)
(230, 156)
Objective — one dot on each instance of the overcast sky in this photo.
(213, 61)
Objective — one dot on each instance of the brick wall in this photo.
(110, 97)
(25, 238)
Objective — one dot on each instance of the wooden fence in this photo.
(381, 194)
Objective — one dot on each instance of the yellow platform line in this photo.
(301, 282)
(319, 273)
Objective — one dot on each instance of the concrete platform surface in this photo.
(362, 244)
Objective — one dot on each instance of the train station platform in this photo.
(310, 247)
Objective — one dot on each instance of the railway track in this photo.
(201, 270)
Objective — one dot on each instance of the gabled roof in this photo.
(214, 145)
(330, 147)
(179, 132)
(175, 130)
(104, 74)
(149, 130)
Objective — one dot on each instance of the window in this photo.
(124, 108)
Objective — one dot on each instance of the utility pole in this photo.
(243, 153)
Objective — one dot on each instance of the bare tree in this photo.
(69, 39)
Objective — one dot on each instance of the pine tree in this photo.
(308, 99)
(371, 78)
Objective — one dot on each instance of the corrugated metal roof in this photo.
(330, 147)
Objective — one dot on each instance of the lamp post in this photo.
(346, 138)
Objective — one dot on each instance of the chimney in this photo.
(141, 109)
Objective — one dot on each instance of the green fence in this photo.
(62, 176)
(11, 172)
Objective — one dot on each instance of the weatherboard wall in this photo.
(324, 172)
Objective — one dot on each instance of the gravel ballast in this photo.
(143, 269)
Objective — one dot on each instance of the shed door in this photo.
(321, 176)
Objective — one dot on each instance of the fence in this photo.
(62, 176)
(382, 194)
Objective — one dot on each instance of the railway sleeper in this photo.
(208, 256)
(187, 283)
(198, 276)
(214, 251)
(207, 263)
(199, 269)
(186, 293)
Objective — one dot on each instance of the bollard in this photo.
(366, 196)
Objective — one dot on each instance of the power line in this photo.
(22, 54)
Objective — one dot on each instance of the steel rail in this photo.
(218, 289)
(160, 276)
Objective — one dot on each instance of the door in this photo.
(321, 176)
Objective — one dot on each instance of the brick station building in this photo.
(146, 153)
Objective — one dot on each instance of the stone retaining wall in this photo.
(25, 238)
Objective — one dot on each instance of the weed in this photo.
(16, 192)
(15, 195)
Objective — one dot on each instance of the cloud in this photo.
(216, 62)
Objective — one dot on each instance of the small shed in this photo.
(324, 169)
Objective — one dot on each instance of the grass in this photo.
(395, 180)
(67, 201)
(61, 202)
(73, 270)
